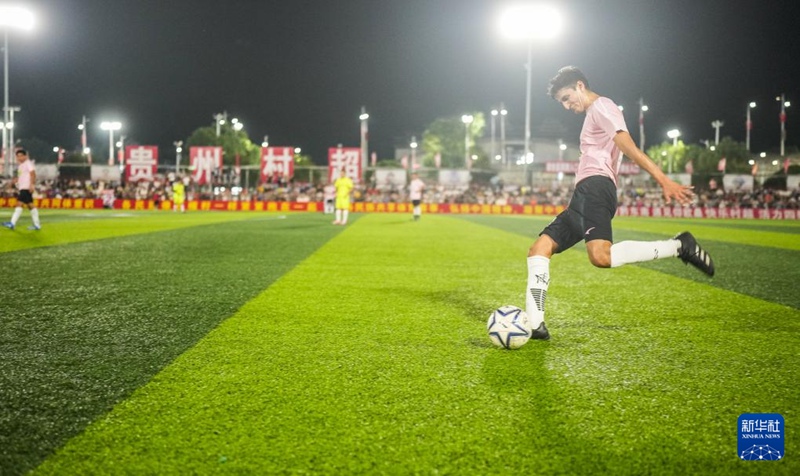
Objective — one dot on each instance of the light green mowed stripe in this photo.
(371, 356)
(72, 227)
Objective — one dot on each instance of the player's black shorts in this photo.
(25, 197)
(588, 216)
(416, 202)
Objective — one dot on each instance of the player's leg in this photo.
(338, 216)
(558, 236)
(417, 209)
(14, 217)
(37, 225)
(345, 213)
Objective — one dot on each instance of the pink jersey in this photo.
(24, 175)
(415, 189)
(599, 153)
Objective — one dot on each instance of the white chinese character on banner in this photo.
(205, 161)
(141, 162)
(276, 162)
(747, 426)
(347, 158)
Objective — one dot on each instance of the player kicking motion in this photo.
(604, 138)
(26, 181)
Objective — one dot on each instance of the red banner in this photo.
(204, 162)
(276, 162)
(367, 207)
(141, 162)
(348, 158)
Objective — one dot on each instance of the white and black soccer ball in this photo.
(509, 327)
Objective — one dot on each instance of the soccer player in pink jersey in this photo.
(604, 139)
(415, 189)
(26, 181)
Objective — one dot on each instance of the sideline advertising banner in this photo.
(205, 161)
(141, 162)
(276, 162)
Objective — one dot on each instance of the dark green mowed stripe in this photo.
(745, 267)
(85, 324)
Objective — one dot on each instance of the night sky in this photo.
(300, 70)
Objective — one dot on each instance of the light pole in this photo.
(642, 109)
(530, 22)
(716, 125)
(265, 142)
(749, 124)
(364, 118)
(10, 125)
(494, 113)
(219, 119)
(15, 17)
(467, 120)
(414, 146)
(784, 105)
(178, 149)
(673, 134)
(111, 127)
(503, 114)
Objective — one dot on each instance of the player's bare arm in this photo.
(672, 190)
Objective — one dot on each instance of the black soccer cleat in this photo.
(691, 253)
(540, 332)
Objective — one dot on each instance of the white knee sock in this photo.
(536, 293)
(626, 252)
(35, 216)
(345, 212)
(338, 214)
(417, 210)
(16, 215)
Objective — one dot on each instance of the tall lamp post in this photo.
(178, 149)
(494, 113)
(503, 114)
(14, 17)
(110, 127)
(467, 120)
(784, 105)
(642, 109)
(673, 134)
(414, 146)
(716, 125)
(364, 118)
(749, 124)
(530, 22)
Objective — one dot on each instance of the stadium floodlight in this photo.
(111, 126)
(530, 22)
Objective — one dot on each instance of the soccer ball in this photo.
(509, 327)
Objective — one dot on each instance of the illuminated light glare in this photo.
(237, 126)
(751, 161)
(530, 22)
(498, 157)
(297, 150)
(474, 157)
(467, 118)
(562, 146)
(645, 108)
(495, 112)
(762, 155)
(110, 126)
(663, 153)
(17, 17)
(752, 105)
(713, 148)
(774, 162)
(504, 112)
(87, 150)
(674, 133)
(55, 149)
(364, 116)
(621, 108)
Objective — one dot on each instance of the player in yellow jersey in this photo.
(178, 196)
(344, 186)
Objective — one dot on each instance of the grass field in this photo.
(155, 343)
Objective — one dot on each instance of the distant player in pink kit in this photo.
(26, 181)
(604, 139)
(415, 189)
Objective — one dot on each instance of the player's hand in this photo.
(682, 194)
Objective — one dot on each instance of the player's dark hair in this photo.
(567, 77)
(21, 151)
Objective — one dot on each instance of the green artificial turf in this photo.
(85, 323)
(371, 356)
